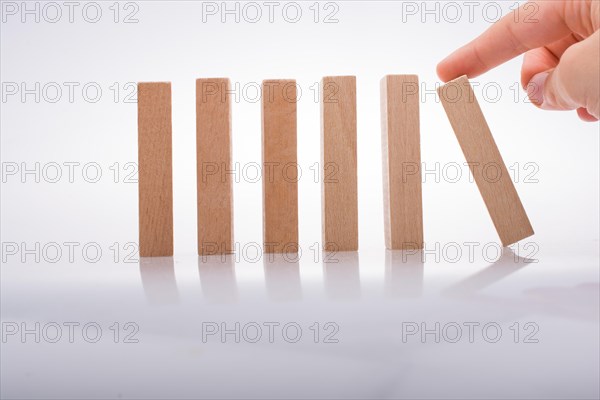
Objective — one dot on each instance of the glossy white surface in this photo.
(371, 297)
(370, 300)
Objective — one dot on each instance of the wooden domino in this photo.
(213, 161)
(401, 150)
(155, 169)
(279, 166)
(339, 163)
(485, 161)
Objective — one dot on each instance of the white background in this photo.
(172, 42)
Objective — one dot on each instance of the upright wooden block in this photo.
(280, 167)
(214, 180)
(401, 148)
(338, 158)
(155, 169)
(485, 161)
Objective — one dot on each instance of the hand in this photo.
(561, 42)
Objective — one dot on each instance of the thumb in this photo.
(574, 83)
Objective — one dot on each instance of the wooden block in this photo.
(155, 169)
(485, 161)
(338, 158)
(280, 167)
(401, 148)
(214, 180)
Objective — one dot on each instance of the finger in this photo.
(574, 82)
(544, 58)
(532, 25)
(585, 115)
(536, 61)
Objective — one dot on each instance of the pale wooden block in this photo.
(155, 169)
(213, 152)
(338, 158)
(280, 167)
(401, 148)
(485, 161)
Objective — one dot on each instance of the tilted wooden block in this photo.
(214, 180)
(155, 169)
(485, 161)
(279, 168)
(338, 158)
(401, 148)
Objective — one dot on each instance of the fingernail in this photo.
(535, 88)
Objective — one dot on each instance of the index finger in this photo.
(532, 25)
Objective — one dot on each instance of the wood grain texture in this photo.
(401, 150)
(339, 163)
(279, 166)
(155, 180)
(485, 161)
(213, 152)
